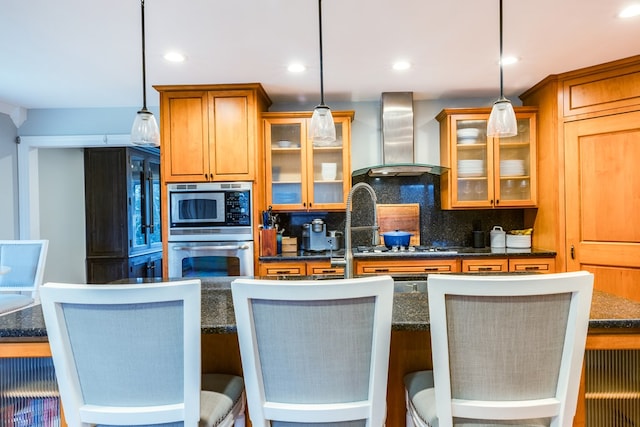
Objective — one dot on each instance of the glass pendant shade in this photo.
(145, 129)
(502, 121)
(322, 130)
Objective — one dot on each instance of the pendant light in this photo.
(145, 128)
(322, 129)
(502, 121)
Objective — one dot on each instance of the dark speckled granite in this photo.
(410, 313)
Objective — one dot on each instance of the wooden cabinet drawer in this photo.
(532, 265)
(407, 266)
(282, 269)
(484, 265)
(320, 268)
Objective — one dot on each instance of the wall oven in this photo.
(210, 229)
(208, 259)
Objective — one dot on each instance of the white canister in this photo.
(497, 237)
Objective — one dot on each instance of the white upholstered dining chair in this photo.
(130, 355)
(21, 271)
(507, 350)
(315, 351)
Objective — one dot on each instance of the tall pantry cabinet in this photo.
(589, 181)
(122, 209)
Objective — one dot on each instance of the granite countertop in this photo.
(410, 313)
(464, 252)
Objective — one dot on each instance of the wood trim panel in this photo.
(613, 89)
(25, 349)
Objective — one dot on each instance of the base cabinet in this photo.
(301, 268)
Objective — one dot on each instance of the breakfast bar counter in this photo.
(614, 325)
(410, 313)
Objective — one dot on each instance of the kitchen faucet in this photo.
(348, 254)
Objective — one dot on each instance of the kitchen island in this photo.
(614, 325)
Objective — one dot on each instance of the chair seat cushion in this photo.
(422, 397)
(10, 302)
(218, 396)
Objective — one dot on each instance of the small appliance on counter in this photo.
(315, 238)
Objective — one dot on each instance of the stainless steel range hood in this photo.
(396, 112)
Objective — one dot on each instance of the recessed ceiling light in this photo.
(296, 68)
(509, 60)
(401, 65)
(630, 11)
(174, 57)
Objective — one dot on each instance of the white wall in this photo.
(62, 215)
(8, 179)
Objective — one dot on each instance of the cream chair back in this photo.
(315, 351)
(508, 347)
(126, 354)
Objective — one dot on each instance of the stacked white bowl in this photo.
(512, 168)
(468, 135)
(471, 167)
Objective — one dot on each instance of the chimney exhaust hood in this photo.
(396, 111)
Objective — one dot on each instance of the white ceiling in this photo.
(87, 53)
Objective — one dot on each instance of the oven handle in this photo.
(212, 248)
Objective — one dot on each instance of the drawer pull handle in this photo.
(381, 270)
(532, 267)
(485, 268)
(431, 269)
(333, 270)
(284, 272)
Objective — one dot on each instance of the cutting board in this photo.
(403, 217)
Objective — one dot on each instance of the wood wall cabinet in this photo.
(589, 152)
(211, 132)
(487, 172)
(303, 176)
(122, 209)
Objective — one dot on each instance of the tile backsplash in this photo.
(437, 227)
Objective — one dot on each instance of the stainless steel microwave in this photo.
(210, 211)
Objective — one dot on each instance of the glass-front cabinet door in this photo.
(515, 165)
(144, 202)
(486, 172)
(286, 157)
(301, 175)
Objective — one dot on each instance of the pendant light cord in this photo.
(500, 60)
(144, 65)
(321, 64)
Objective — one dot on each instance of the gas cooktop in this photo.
(406, 250)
